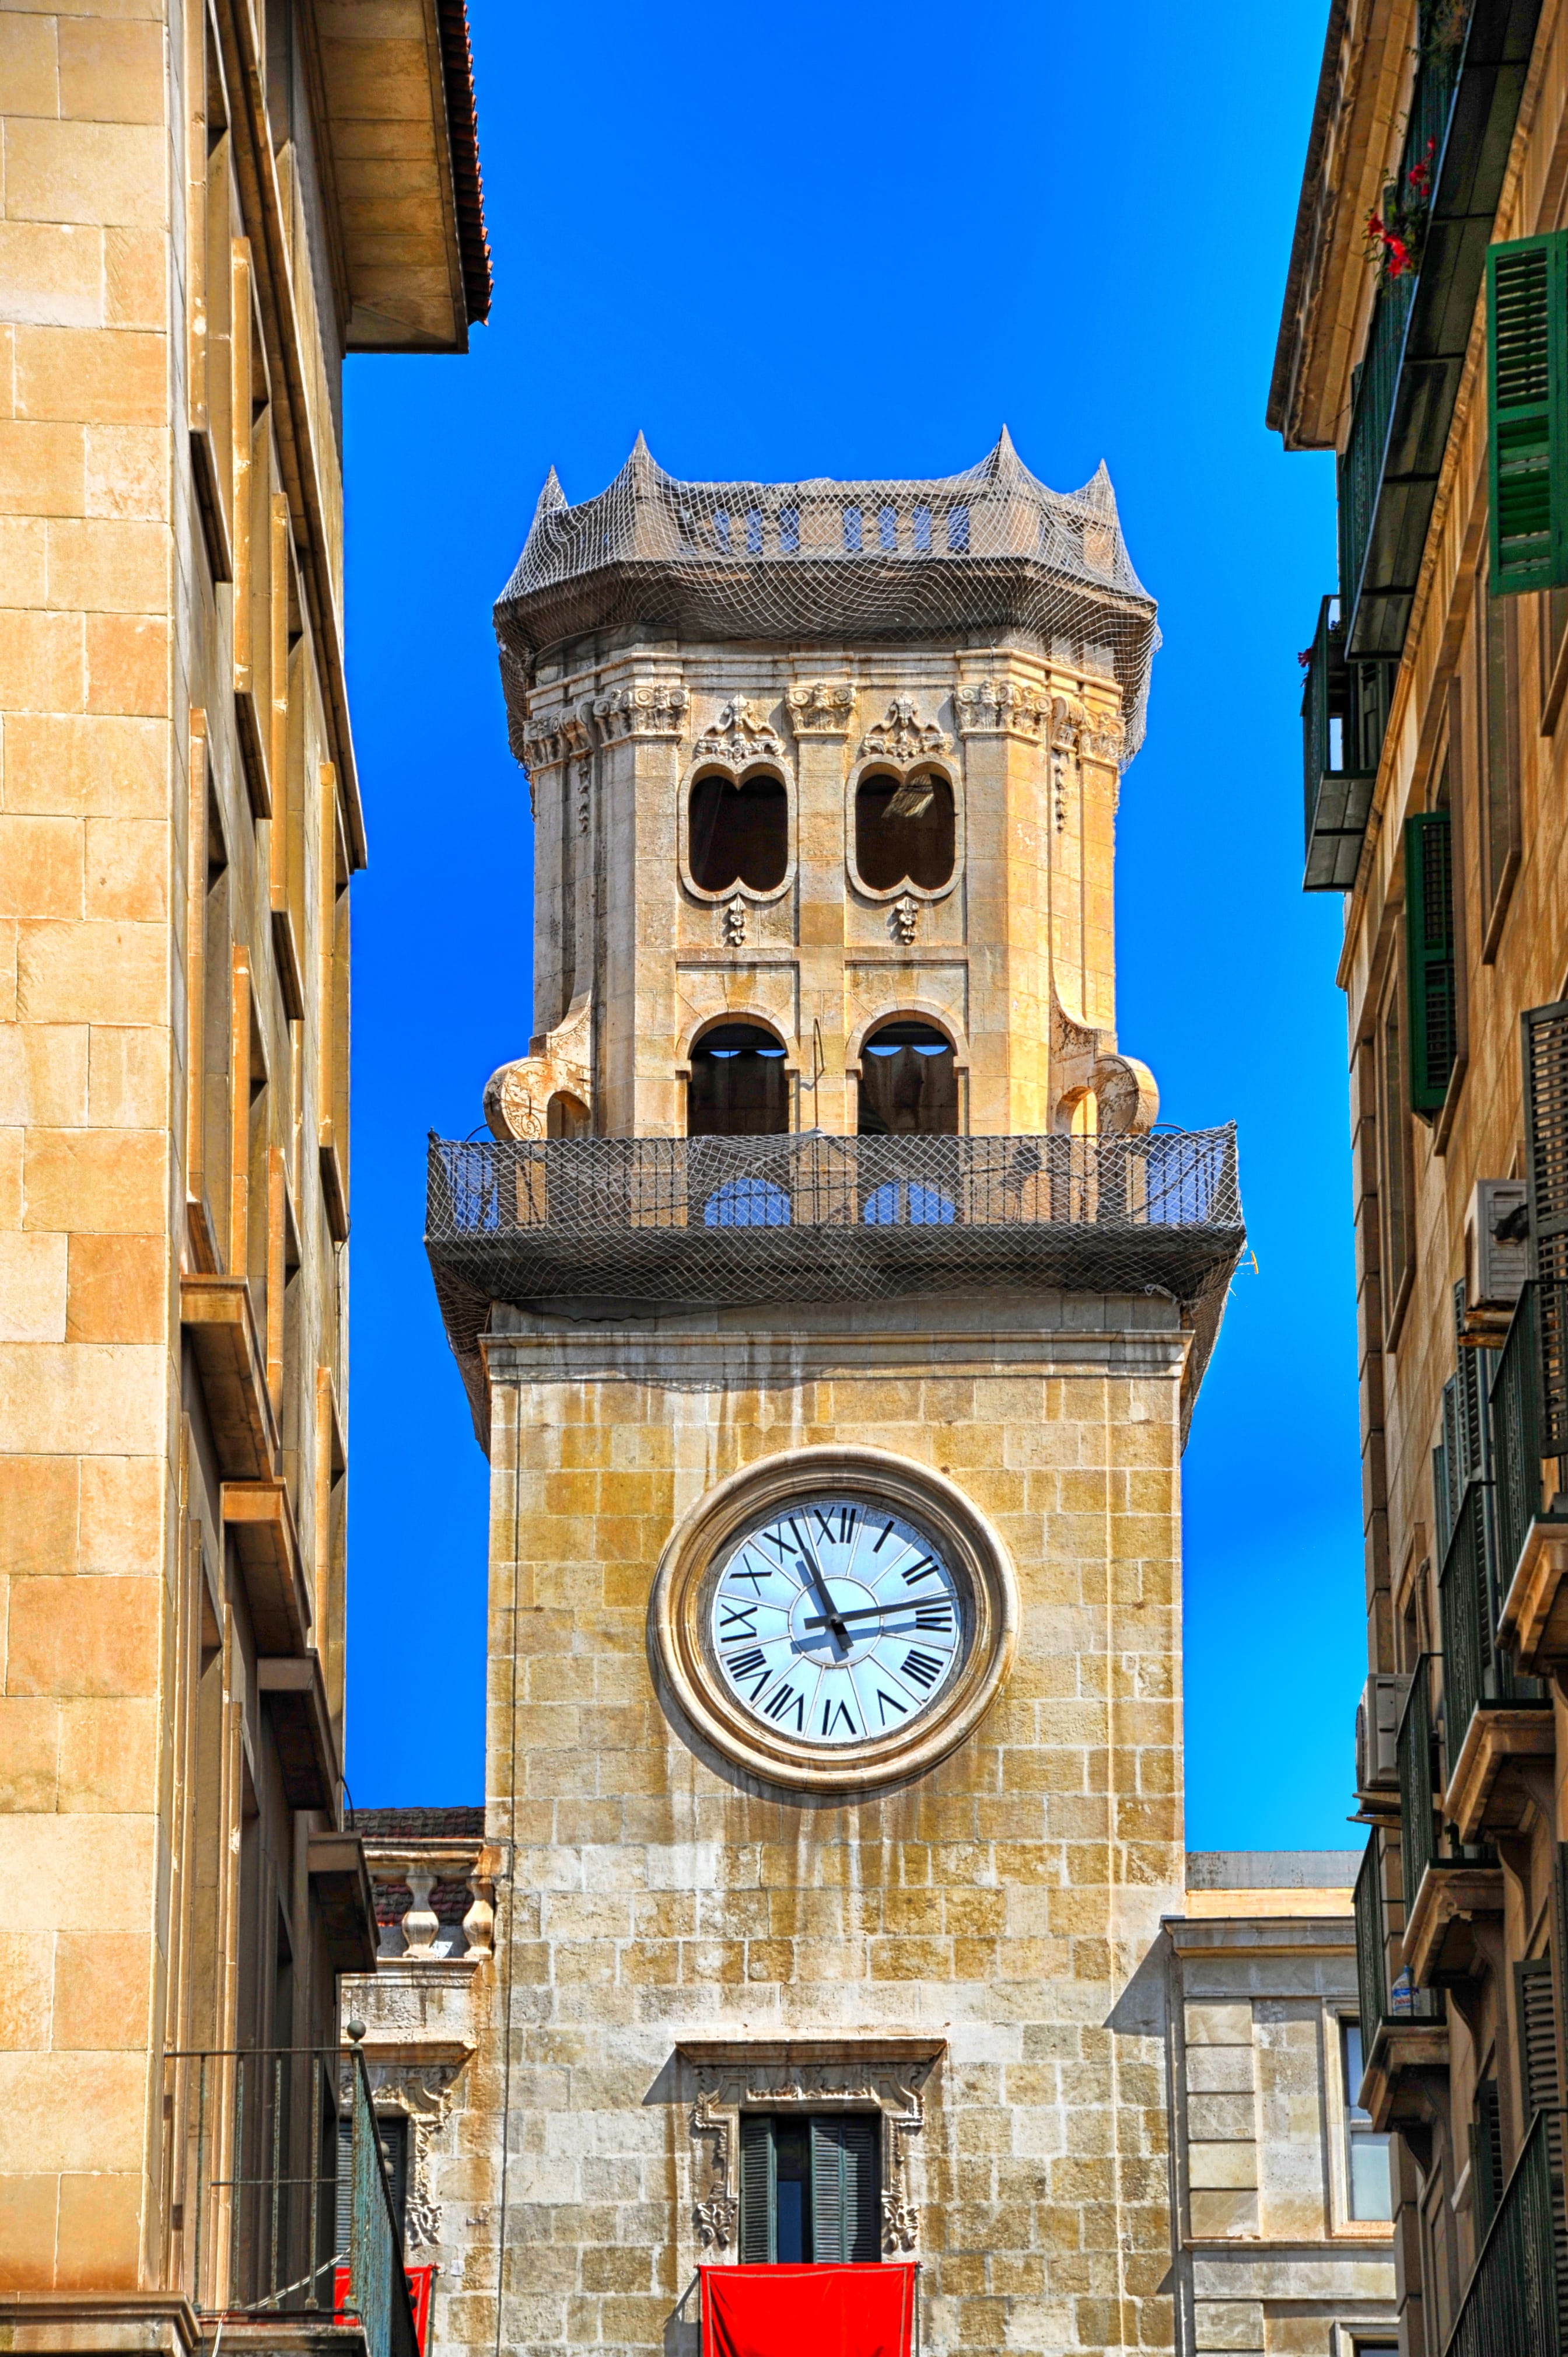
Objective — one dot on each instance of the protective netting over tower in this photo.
(986, 556)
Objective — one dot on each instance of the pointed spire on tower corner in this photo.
(550, 501)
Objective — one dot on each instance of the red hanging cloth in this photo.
(810, 2312)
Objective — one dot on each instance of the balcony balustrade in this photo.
(1516, 2304)
(254, 2146)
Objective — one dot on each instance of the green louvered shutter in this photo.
(1527, 376)
(1546, 1167)
(1428, 949)
(756, 2246)
(844, 2190)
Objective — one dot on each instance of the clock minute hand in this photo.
(868, 1611)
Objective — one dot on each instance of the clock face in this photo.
(837, 1621)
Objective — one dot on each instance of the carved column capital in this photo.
(820, 707)
(1002, 707)
(650, 707)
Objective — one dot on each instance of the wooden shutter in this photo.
(1545, 1031)
(1527, 379)
(1486, 2157)
(757, 2245)
(1540, 2079)
(1429, 957)
(844, 2189)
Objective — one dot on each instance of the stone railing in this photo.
(427, 1871)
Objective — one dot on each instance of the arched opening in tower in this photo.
(739, 1086)
(904, 831)
(739, 831)
(908, 1083)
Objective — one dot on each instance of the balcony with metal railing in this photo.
(283, 2215)
(1472, 63)
(1516, 2303)
(1405, 2032)
(1448, 1887)
(1532, 1511)
(1343, 713)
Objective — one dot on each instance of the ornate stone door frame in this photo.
(724, 2077)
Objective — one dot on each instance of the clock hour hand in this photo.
(830, 1618)
(869, 1611)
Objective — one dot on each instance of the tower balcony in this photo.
(645, 1227)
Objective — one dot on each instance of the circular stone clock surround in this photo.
(696, 1554)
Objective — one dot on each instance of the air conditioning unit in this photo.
(1496, 1243)
(1378, 1715)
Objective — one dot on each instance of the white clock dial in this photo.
(837, 1621)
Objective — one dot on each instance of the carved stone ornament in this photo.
(735, 922)
(1002, 707)
(820, 707)
(742, 733)
(651, 707)
(906, 916)
(421, 2093)
(902, 736)
(1084, 1062)
(1103, 738)
(557, 736)
(517, 1095)
(884, 2074)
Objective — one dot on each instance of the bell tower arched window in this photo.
(739, 1086)
(737, 830)
(908, 1083)
(904, 831)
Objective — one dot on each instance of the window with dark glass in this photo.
(739, 831)
(904, 831)
(1366, 2152)
(908, 1083)
(809, 2187)
(739, 1086)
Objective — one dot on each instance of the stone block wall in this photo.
(996, 1911)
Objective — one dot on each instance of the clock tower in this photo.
(831, 1311)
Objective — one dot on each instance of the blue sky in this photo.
(854, 241)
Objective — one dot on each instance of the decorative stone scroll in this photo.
(650, 707)
(906, 917)
(1002, 707)
(820, 707)
(1084, 1063)
(517, 1095)
(1103, 738)
(903, 736)
(742, 733)
(727, 2078)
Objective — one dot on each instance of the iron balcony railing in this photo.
(254, 2143)
(1519, 1428)
(1516, 2304)
(1384, 1995)
(1475, 1671)
(1343, 712)
(1420, 1779)
(719, 1222)
(1473, 60)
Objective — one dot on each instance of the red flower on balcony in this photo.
(1395, 237)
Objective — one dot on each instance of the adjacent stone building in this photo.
(205, 208)
(1281, 2238)
(831, 1315)
(1422, 341)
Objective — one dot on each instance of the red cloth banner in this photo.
(826, 2311)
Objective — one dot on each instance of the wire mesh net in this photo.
(621, 1227)
(991, 554)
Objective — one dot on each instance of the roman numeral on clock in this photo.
(738, 1620)
(746, 1665)
(785, 1701)
(924, 1668)
(832, 1713)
